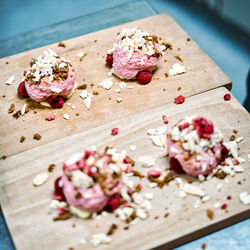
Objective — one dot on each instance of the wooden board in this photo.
(25, 207)
(202, 75)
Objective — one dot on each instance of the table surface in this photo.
(236, 236)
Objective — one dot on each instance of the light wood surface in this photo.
(25, 207)
(202, 75)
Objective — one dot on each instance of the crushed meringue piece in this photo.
(81, 54)
(66, 116)
(73, 107)
(117, 90)
(176, 69)
(122, 85)
(130, 87)
(45, 104)
(40, 179)
(193, 190)
(152, 184)
(106, 83)
(245, 197)
(87, 101)
(238, 169)
(56, 90)
(239, 139)
(84, 94)
(110, 73)
(148, 196)
(119, 99)
(10, 80)
(98, 239)
(147, 161)
(182, 194)
(23, 109)
(219, 186)
(55, 204)
(83, 241)
(205, 198)
(132, 148)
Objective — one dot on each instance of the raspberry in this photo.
(62, 211)
(223, 206)
(58, 193)
(55, 101)
(87, 154)
(179, 99)
(154, 173)
(114, 131)
(127, 160)
(224, 153)
(165, 120)
(50, 117)
(175, 165)
(227, 97)
(22, 90)
(144, 77)
(203, 127)
(183, 126)
(229, 197)
(128, 169)
(114, 202)
(109, 60)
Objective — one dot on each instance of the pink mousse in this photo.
(128, 68)
(40, 92)
(189, 163)
(93, 199)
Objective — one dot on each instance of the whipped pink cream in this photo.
(90, 179)
(196, 145)
(49, 75)
(135, 50)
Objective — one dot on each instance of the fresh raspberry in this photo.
(114, 131)
(109, 60)
(165, 120)
(154, 173)
(114, 202)
(179, 99)
(175, 165)
(58, 193)
(55, 101)
(227, 97)
(144, 77)
(22, 90)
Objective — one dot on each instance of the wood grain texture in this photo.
(202, 75)
(25, 207)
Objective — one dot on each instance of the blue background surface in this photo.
(223, 42)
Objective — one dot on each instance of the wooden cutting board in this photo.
(25, 207)
(202, 75)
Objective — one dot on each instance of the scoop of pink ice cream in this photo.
(128, 67)
(196, 164)
(103, 185)
(40, 92)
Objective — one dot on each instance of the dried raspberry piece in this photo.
(179, 99)
(227, 97)
(62, 211)
(165, 120)
(175, 165)
(127, 160)
(183, 126)
(128, 169)
(55, 101)
(114, 131)
(87, 154)
(50, 117)
(224, 154)
(203, 127)
(223, 206)
(114, 202)
(144, 76)
(58, 193)
(154, 173)
(22, 90)
(109, 60)
(229, 197)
